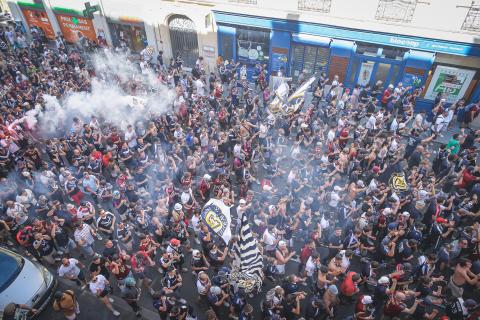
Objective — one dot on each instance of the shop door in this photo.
(183, 38)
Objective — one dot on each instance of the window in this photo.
(472, 20)
(227, 46)
(393, 53)
(396, 10)
(253, 45)
(315, 5)
(366, 49)
(309, 59)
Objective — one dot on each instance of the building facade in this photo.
(430, 43)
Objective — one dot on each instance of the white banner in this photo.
(216, 215)
(365, 73)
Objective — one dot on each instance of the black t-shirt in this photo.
(288, 310)
(380, 295)
(100, 268)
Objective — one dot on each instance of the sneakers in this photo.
(111, 300)
(197, 241)
(116, 313)
(182, 301)
(99, 237)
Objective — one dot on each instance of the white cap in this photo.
(242, 201)
(390, 86)
(406, 214)
(387, 211)
(281, 243)
(367, 300)
(195, 252)
(304, 125)
(442, 100)
(383, 280)
(271, 207)
(337, 188)
(178, 206)
(267, 187)
(207, 177)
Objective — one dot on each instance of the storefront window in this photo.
(366, 49)
(253, 45)
(313, 60)
(353, 71)
(394, 76)
(382, 72)
(393, 53)
(227, 47)
(133, 36)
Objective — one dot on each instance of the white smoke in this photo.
(108, 99)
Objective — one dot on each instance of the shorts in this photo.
(104, 293)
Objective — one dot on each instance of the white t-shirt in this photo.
(195, 223)
(98, 285)
(200, 87)
(71, 271)
(269, 240)
(310, 267)
(131, 137)
(334, 198)
(371, 123)
(201, 288)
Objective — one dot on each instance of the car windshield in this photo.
(10, 267)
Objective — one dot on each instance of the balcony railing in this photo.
(472, 20)
(315, 5)
(244, 1)
(396, 10)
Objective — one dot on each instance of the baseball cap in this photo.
(469, 303)
(384, 280)
(178, 206)
(175, 242)
(333, 289)
(242, 201)
(376, 169)
(367, 300)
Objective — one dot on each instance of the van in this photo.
(23, 281)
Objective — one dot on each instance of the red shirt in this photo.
(386, 95)
(348, 287)
(467, 179)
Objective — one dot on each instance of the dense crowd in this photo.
(117, 210)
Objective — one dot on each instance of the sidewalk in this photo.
(92, 309)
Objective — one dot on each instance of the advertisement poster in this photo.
(279, 59)
(451, 81)
(411, 80)
(365, 73)
(40, 20)
(72, 25)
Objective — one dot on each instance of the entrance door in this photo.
(183, 38)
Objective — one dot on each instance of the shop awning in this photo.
(311, 39)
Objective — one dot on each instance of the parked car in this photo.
(23, 281)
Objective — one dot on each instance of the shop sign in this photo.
(366, 70)
(209, 51)
(40, 20)
(72, 25)
(453, 82)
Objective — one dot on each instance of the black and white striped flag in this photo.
(248, 273)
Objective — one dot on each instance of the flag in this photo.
(248, 273)
(397, 182)
(216, 215)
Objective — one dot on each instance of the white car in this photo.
(23, 281)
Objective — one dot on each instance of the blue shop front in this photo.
(356, 56)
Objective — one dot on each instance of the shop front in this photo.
(36, 16)
(355, 56)
(128, 31)
(74, 26)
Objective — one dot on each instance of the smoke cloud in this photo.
(110, 97)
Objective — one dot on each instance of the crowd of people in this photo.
(117, 210)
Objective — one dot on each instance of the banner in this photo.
(71, 26)
(40, 20)
(216, 215)
(397, 182)
(453, 82)
(365, 73)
